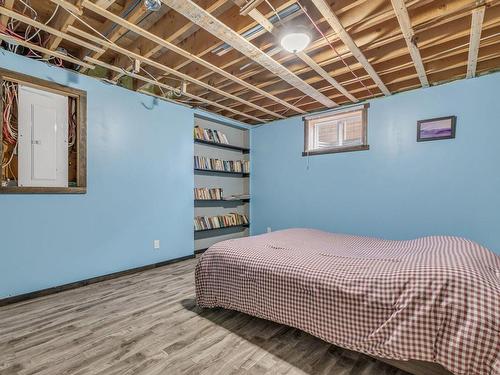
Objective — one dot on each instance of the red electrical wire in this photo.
(332, 47)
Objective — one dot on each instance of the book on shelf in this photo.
(208, 193)
(239, 166)
(222, 221)
(210, 135)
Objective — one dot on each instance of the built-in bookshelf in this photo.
(221, 174)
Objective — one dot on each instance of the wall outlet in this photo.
(269, 230)
(156, 244)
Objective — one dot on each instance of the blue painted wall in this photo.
(399, 189)
(140, 181)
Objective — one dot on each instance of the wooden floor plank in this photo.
(147, 324)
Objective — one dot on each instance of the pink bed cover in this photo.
(433, 299)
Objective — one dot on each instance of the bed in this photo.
(432, 300)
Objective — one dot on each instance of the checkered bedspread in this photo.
(433, 299)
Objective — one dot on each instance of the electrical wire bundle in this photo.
(72, 123)
(30, 32)
(9, 122)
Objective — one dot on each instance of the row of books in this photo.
(222, 221)
(202, 162)
(206, 193)
(210, 135)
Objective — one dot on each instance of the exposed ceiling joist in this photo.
(475, 39)
(249, 6)
(68, 6)
(163, 85)
(375, 35)
(181, 28)
(62, 20)
(156, 39)
(116, 33)
(202, 44)
(48, 29)
(43, 50)
(161, 67)
(4, 19)
(264, 22)
(105, 3)
(208, 22)
(409, 35)
(335, 24)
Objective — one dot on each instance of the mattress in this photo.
(434, 299)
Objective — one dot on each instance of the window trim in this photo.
(334, 150)
(81, 164)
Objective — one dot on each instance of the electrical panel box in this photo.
(43, 138)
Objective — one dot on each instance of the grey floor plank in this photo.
(148, 324)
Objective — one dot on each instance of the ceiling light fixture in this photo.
(152, 5)
(296, 39)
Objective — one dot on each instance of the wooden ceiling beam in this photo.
(170, 88)
(62, 21)
(119, 31)
(393, 68)
(384, 15)
(425, 15)
(385, 47)
(440, 63)
(155, 64)
(205, 20)
(156, 39)
(409, 35)
(475, 37)
(335, 24)
(4, 19)
(178, 29)
(202, 44)
(68, 6)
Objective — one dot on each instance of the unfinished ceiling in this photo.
(225, 56)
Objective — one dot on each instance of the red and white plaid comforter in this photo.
(433, 299)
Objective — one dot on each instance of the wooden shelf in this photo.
(231, 226)
(222, 145)
(222, 172)
(222, 200)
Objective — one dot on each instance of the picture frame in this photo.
(436, 128)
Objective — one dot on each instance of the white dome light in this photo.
(295, 41)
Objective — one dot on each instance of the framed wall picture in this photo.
(436, 128)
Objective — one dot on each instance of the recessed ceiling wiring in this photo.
(12, 26)
(333, 48)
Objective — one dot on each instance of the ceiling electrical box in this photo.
(43, 138)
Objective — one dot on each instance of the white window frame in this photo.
(311, 125)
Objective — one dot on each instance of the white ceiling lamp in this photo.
(152, 5)
(295, 39)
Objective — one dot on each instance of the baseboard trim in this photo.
(93, 280)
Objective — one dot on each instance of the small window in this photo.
(338, 131)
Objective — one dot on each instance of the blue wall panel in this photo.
(140, 181)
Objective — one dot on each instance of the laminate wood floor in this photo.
(148, 324)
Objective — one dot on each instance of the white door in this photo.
(43, 138)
